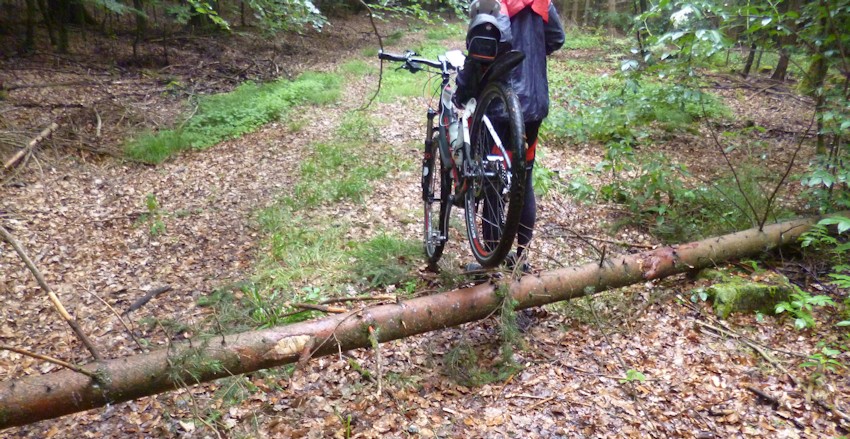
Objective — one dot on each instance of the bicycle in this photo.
(486, 165)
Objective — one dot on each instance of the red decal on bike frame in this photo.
(496, 151)
(531, 152)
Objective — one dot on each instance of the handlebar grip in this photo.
(391, 56)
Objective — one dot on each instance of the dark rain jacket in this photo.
(536, 39)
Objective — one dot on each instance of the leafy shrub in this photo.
(800, 307)
(656, 194)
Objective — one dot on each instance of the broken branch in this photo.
(48, 359)
(53, 297)
(20, 154)
(322, 308)
(146, 298)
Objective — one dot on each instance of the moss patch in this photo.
(739, 295)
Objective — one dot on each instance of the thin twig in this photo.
(539, 403)
(118, 316)
(146, 298)
(384, 297)
(762, 394)
(381, 64)
(772, 196)
(52, 295)
(322, 308)
(729, 163)
(29, 146)
(607, 240)
(55, 361)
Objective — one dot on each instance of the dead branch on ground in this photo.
(50, 293)
(49, 359)
(322, 308)
(29, 146)
(146, 298)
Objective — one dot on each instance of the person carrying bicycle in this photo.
(535, 30)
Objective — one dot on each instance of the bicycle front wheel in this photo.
(496, 173)
(436, 191)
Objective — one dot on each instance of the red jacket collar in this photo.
(541, 7)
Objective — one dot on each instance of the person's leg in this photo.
(529, 208)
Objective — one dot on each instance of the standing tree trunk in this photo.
(63, 17)
(141, 25)
(29, 41)
(783, 42)
(751, 56)
(574, 13)
(585, 18)
(55, 394)
(782, 65)
(612, 15)
(49, 21)
(640, 8)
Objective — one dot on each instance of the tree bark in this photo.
(141, 26)
(29, 42)
(48, 21)
(585, 18)
(783, 42)
(751, 56)
(47, 396)
(574, 13)
(781, 69)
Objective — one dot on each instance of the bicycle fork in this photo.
(428, 157)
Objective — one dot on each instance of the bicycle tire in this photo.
(494, 199)
(436, 190)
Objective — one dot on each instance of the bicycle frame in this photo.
(487, 165)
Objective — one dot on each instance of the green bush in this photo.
(627, 112)
(659, 198)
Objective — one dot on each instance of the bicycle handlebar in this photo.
(410, 60)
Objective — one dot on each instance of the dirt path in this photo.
(83, 223)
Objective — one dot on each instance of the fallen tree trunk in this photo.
(47, 396)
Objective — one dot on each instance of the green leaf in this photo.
(830, 352)
(843, 323)
(842, 222)
(633, 375)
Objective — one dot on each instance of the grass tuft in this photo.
(228, 115)
(387, 260)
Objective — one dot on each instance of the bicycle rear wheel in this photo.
(496, 172)
(436, 190)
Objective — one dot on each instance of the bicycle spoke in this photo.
(494, 200)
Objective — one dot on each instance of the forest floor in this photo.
(79, 212)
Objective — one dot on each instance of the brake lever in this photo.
(411, 67)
